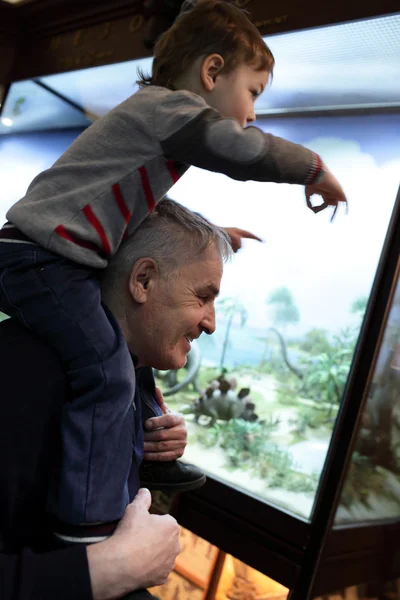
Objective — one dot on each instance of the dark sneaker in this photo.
(174, 476)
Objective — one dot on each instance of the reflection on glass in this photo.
(28, 107)
(289, 313)
(372, 487)
(202, 570)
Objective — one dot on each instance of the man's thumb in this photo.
(142, 499)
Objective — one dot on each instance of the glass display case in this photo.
(293, 405)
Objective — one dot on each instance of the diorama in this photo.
(262, 394)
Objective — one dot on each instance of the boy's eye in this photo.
(254, 93)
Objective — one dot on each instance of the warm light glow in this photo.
(6, 121)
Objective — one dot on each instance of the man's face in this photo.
(178, 310)
(235, 94)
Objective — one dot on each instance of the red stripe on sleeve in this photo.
(125, 212)
(95, 223)
(171, 168)
(62, 232)
(316, 170)
(147, 189)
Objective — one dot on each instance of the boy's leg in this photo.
(147, 389)
(60, 301)
(169, 476)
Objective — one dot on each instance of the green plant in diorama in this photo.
(325, 379)
(315, 341)
(3, 316)
(248, 447)
(243, 440)
(230, 308)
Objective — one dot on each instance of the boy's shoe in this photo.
(173, 476)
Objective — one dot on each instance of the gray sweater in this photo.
(115, 172)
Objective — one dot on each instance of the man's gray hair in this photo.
(171, 235)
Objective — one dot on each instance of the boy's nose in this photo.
(252, 116)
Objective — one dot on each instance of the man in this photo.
(160, 287)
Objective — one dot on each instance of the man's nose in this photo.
(208, 322)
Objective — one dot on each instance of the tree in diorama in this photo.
(284, 312)
(283, 308)
(230, 308)
(3, 317)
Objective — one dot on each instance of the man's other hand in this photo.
(141, 552)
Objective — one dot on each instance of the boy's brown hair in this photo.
(212, 26)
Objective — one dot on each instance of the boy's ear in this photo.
(212, 65)
(142, 279)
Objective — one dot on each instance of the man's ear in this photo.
(142, 279)
(211, 66)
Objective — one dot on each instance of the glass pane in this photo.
(99, 89)
(361, 58)
(28, 107)
(289, 313)
(372, 487)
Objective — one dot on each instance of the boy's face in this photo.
(234, 94)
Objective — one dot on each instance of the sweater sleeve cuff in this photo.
(315, 171)
(63, 574)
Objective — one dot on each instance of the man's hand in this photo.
(237, 235)
(166, 436)
(330, 190)
(141, 552)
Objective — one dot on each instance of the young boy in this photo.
(208, 70)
